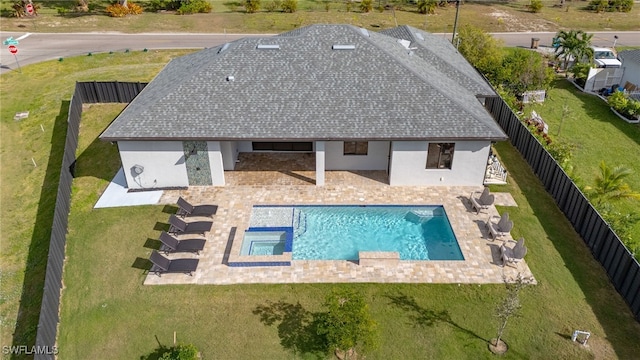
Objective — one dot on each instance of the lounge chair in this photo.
(483, 202)
(513, 255)
(162, 264)
(179, 226)
(501, 228)
(186, 209)
(171, 244)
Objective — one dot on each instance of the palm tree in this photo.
(573, 44)
(610, 184)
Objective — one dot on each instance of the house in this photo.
(401, 101)
(631, 71)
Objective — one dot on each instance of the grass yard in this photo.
(229, 16)
(31, 155)
(597, 134)
(105, 302)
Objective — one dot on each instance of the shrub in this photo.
(348, 5)
(610, 5)
(170, 5)
(366, 5)
(561, 151)
(194, 7)
(289, 6)
(618, 101)
(535, 6)
(580, 72)
(134, 9)
(273, 6)
(181, 352)
(117, 10)
(624, 105)
(252, 6)
(427, 6)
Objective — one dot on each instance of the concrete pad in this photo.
(116, 194)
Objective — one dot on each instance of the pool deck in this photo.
(482, 264)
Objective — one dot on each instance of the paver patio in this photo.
(482, 262)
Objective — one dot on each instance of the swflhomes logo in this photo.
(30, 350)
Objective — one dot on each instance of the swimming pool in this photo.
(340, 232)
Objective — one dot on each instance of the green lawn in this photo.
(105, 302)
(597, 134)
(29, 191)
(229, 16)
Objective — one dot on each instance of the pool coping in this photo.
(482, 264)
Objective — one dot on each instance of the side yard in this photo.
(586, 122)
(103, 278)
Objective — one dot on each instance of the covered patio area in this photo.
(279, 168)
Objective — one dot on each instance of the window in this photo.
(440, 155)
(282, 146)
(356, 147)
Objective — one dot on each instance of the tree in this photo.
(347, 324)
(481, 49)
(509, 307)
(610, 185)
(524, 70)
(573, 44)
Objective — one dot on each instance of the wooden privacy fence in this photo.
(85, 92)
(621, 267)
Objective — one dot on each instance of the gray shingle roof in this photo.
(444, 57)
(630, 55)
(306, 91)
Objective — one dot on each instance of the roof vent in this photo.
(419, 36)
(268, 47)
(231, 78)
(343, 47)
(224, 47)
(406, 44)
(365, 32)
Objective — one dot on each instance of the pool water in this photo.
(340, 232)
(263, 243)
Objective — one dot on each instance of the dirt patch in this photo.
(519, 22)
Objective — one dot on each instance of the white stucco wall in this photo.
(244, 146)
(229, 154)
(216, 163)
(320, 162)
(163, 163)
(376, 158)
(409, 159)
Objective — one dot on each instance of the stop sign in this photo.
(30, 9)
(13, 49)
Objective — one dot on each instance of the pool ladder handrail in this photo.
(302, 224)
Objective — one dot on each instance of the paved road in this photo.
(37, 47)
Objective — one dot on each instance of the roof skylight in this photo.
(343, 47)
(268, 47)
(224, 47)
